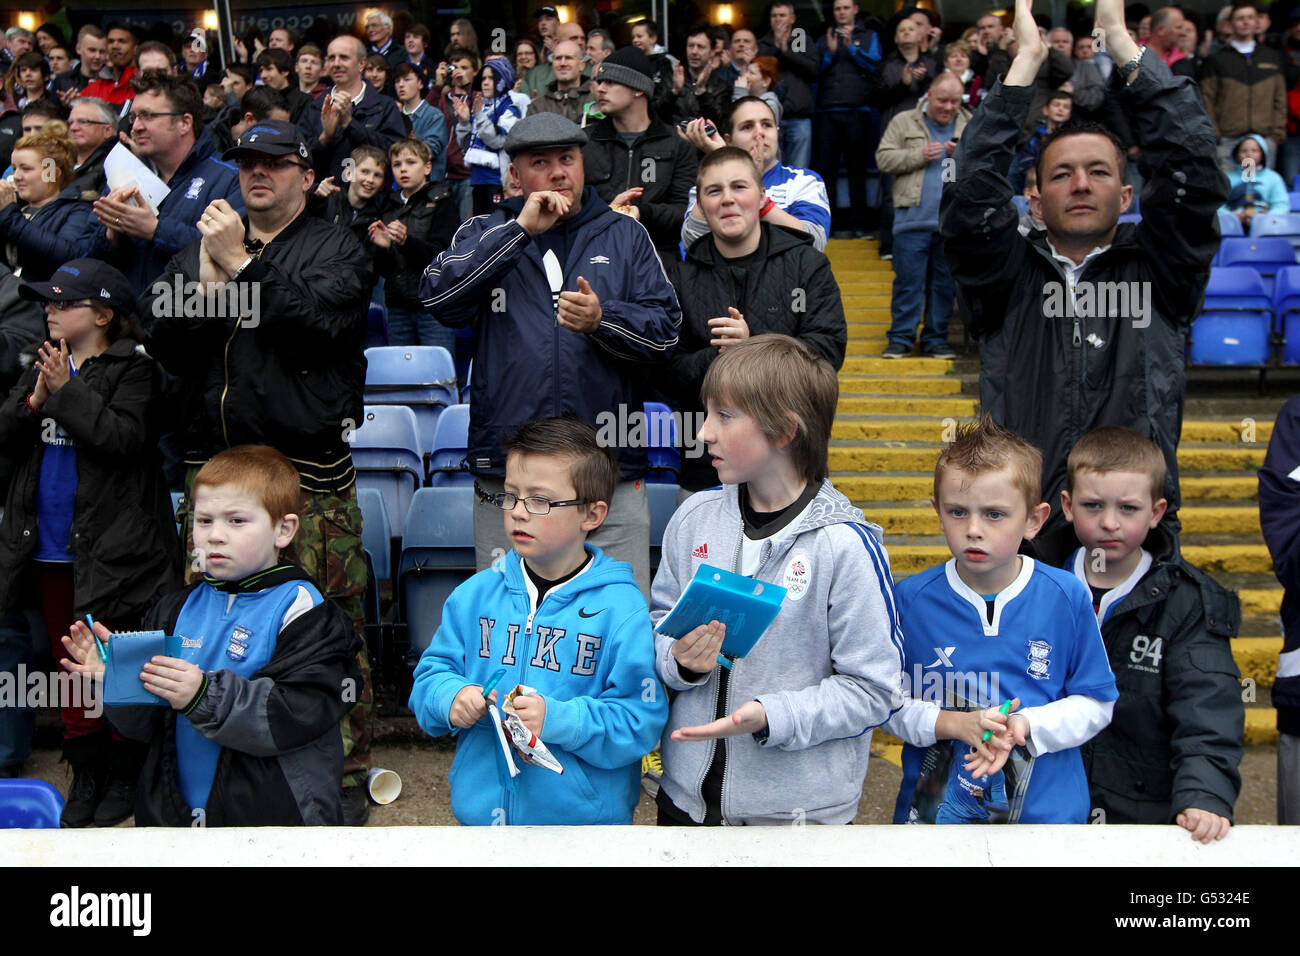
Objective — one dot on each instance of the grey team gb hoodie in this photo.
(827, 670)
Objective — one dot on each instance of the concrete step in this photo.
(872, 428)
(873, 286)
(862, 360)
(859, 378)
(1260, 600)
(904, 405)
(919, 484)
(1197, 519)
(861, 457)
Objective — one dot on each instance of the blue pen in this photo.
(487, 689)
(99, 645)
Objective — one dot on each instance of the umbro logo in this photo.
(599, 260)
(944, 659)
(702, 551)
(583, 612)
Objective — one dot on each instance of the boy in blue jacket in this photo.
(560, 618)
(251, 734)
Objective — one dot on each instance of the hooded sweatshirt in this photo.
(587, 649)
(827, 669)
(1266, 191)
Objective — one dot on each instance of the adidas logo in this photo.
(599, 260)
(702, 551)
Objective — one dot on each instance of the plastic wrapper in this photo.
(526, 743)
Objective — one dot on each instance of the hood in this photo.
(1263, 144)
(601, 572)
(503, 74)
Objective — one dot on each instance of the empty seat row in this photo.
(1243, 318)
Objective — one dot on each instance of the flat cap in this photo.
(543, 131)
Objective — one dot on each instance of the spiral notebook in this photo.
(128, 652)
(745, 605)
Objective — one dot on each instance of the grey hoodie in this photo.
(827, 670)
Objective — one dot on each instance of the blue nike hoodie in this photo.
(589, 650)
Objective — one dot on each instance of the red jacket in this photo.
(117, 92)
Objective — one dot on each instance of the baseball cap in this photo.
(270, 138)
(84, 279)
(546, 12)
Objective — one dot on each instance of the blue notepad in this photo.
(747, 606)
(128, 652)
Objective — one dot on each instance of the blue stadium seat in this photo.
(1277, 224)
(1229, 225)
(1235, 324)
(29, 805)
(663, 502)
(1286, 307)
(389, 458)
(663, 451)
(422, 377)
(437, 556)
(1295, 185)
(451, 444)
(1294, 200)
(1265, 255)
(469, 375)
(376, 530)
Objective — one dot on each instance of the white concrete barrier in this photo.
(999, 846)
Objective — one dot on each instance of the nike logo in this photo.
(583, 613)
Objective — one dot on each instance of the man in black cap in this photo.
(570, 304)
(634, 158)
(274, 357)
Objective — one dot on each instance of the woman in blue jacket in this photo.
(41, 221)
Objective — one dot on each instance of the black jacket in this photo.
(707, 285)
(291, 376)
(1174, 741)
(281, 761)
(431, 219)
(612, 166)
(1050, 375)
(706, 288)
(712, 102)
(1279, 519)
(125, 553)
(90, 176)
(798, 73)
(336, 209)
(51, 237)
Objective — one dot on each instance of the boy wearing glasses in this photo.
(565, 621)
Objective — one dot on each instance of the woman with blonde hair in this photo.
(41, 219)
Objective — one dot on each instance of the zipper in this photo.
(627, 183)
(225, 389)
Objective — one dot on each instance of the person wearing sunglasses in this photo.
(166, 128)
(275, 358)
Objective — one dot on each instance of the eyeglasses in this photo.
(272, 163)
(148, 115)
(535, 505)
(66, 306)
(82, 122)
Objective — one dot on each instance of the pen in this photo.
(1004, 709)
(99, 645)
(487, 689)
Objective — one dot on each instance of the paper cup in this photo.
(383, 786)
